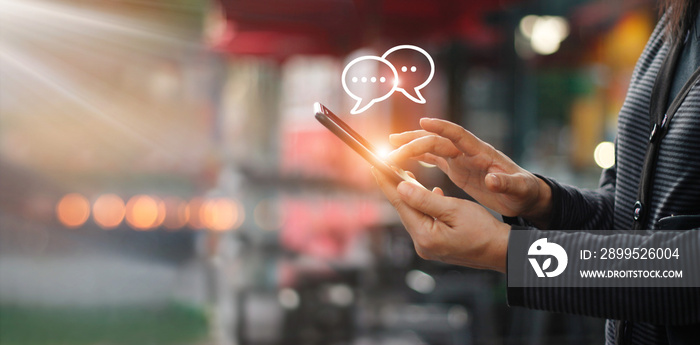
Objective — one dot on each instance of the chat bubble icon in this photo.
(368, 80)
(414, 76)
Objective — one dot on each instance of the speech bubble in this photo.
(369, 70)
(413, 93)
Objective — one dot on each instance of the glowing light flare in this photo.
(65, 31)
(108, 211)
(177, 213)
(73, 210)
(68, 18)
(604, 154)
(142, 212)
(221, 214)
(383, 151)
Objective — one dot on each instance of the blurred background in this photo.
(163, 180)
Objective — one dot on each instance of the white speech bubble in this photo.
(359, 107)
(418, 98)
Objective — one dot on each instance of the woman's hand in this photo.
(448, 229)
(483, 172)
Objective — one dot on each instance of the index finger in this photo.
(399, 139)
(433, 144)
(465, 141)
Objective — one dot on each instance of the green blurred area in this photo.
(173, 324)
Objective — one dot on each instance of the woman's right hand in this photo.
(483, 172)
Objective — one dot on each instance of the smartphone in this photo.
(360, 145)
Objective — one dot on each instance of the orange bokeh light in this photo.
(221, 214)
(161, 213)
(73, 210)
(195, 207)
(108, 211)
(143, 212)
(177, 213)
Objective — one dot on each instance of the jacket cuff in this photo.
(556, 221)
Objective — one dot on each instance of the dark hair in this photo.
(681, 13)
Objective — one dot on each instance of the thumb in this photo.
(513, 184)
(431, 203)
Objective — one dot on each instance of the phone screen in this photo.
(359, 144)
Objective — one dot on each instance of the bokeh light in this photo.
(341, 295)
(142, 212)
(161, 212)
(545, 33)
(604, 154)
(420, 281)
(177, 213)
(108, 211)
(288, 298)
(73, 210)
(526, 25)
(221, 214)
(195, 207)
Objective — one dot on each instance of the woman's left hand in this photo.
(451, 230)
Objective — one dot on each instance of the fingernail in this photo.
(495, 181)
(404, 188)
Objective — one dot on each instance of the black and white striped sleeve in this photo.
(657, 305)
(574, 208)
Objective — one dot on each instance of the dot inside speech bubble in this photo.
(369, 73)
(410, 86)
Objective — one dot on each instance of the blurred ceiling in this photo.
(281, 28)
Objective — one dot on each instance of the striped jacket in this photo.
(649, 315)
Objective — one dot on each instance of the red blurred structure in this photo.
(281, 28)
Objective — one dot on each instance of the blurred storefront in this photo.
(163, 179)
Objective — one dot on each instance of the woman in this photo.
(656, 176)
